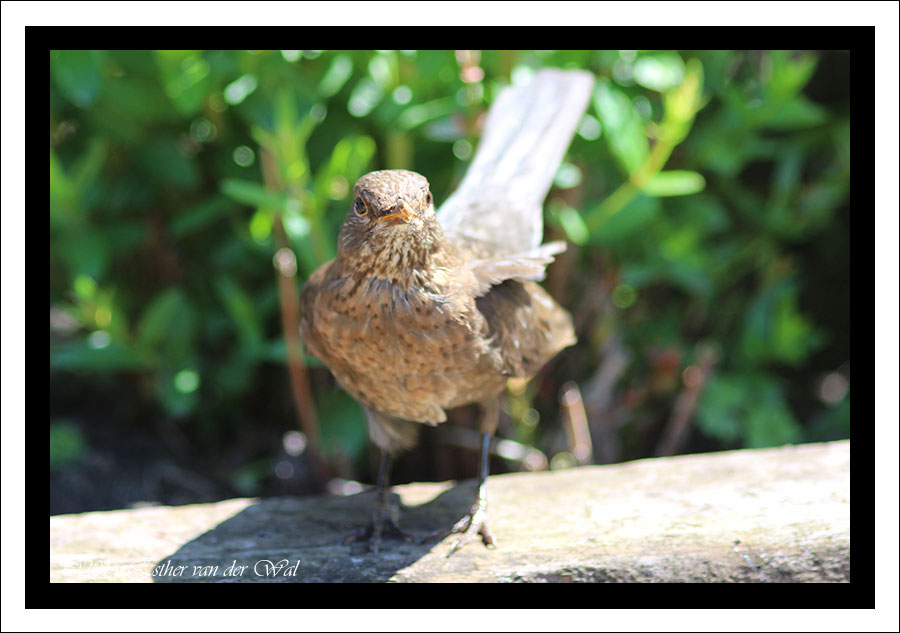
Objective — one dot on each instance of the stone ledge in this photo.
(771, 515)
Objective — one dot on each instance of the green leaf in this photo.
(774, 329)
(689, 275)
(132, 108)
(67, 444)
(632, 218)
(706, 211)
(622, 126)
(790, 72)
(674, 183)
(253, 194)
(241, 308)
(166, 329)
(659, 71)
(176, 402)
(248, 479)
(69, 190)
(348, 160)
(79, 355)
(235, 376)
(797, 114)
(770, 424)
(681, 104)
(574, 226)
(416, 115)
(186, 79)
(87, 169)
(84, 252)
(78, 74)
(833, 423)
(366, 94)
(748, 407)
(721, 408)
(163, 161)
(200, 216)
(158, 317)
(571, 222)
(63, 203)
(336, 76)
(276, 352)
(345, 430)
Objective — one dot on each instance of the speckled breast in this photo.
(406, 353)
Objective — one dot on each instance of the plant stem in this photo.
(290, 322)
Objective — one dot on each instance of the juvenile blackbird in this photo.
(424, 311)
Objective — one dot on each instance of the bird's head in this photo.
(391, 222)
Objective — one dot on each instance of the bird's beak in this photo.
(403, 211)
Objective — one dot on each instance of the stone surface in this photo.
(772, 515)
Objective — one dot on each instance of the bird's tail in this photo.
(526, 134)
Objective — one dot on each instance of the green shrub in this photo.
(705, 197)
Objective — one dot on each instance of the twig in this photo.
(576, 424)
(695, 377)
(286, 266)
(604, 404)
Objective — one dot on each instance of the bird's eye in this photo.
(360, 207)
(428, 198)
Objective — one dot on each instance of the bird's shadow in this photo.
(287, 539)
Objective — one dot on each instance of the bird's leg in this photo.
(475, 522)
(381, 522)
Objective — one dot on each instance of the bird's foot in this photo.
(380, 525)
(474, 523)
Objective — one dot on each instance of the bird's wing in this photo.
(498, 206)
(492, 270)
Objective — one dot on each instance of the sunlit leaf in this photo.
(572, 223)
(336, 76)
(674, 183)
(659, 71)
(622, 126)
(790, 72)
(348, 160)
(366, 94)
(186, 79)
(416, 115)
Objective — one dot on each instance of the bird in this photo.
(424, 310)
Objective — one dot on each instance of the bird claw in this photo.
(475, 522)
(374, 530)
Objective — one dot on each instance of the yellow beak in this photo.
(404, 212)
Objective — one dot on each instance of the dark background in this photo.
(705, 200)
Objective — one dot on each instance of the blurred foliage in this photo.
(705, 199)
(66, 444)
